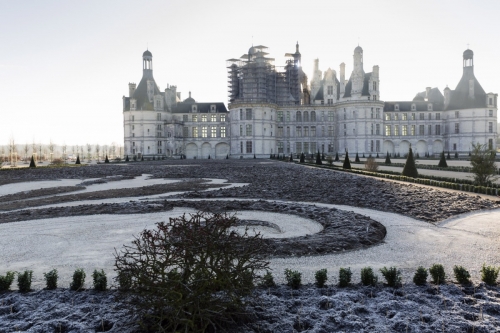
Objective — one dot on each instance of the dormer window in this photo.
(194, 108)
(396, 107)
(413, 107)
(429, 107)
(212, 108)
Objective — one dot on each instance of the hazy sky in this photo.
(65, 65)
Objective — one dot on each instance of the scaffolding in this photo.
(253, 78)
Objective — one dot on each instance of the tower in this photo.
(147, 63)
(357, 72)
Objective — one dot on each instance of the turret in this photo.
(447, 95)
(357, 73)
(147, 64)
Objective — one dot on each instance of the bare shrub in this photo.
(371, 164)
(191, 272)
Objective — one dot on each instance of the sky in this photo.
(65, 65)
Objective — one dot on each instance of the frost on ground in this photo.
(447, 308)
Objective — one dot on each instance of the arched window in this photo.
(298, 116)
(313, 115)
(306, 116)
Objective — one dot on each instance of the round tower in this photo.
(468, 58)
(147, 62)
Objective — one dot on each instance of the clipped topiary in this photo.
(438, 274)
(321, 276)
(106, 160)
(410, 169)
(77, 160)
(78, 279)
(489, 274)
(6, 281)
(24, 281)
(448, 156)
(51, 279)
(337, 157)
(142, 158)
(368, 278)
(442, 161)
(254, 156)
(268, 280)
(209, 157)
(127, 159)
(32, 163)
(420, 277)
(345, 275)
(392, 275)
(291, 157)
(357, 160)
(461, 274)
(388, 158)
(318, 159)
(227, 156)
(100, 280)
(302, 158)
(347, 163)
(293, 278)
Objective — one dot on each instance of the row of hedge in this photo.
(392, 276)
(445, 182)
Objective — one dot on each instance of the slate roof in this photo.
(366, 86)
(141, 93)
(201, 107)
(435, 96)
(405, 106)
(459, 98)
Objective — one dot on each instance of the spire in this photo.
(297, 47)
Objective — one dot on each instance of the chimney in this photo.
(342, 78)
(427, 93)
(447, 93)
(131, 89)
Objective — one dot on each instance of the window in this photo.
(193, 108)
(345, 115)
(185, 132)
(223, 131)
(438, 116)
(421, 129)
(280, 116)
(456, 114)
(249, 116)
(306, 116)
(330, 90)
(412, 130)
(396, 107)
(249, 147)
(377, 114)
(194, 117)
(133, 127)
(133, 135)
(195, 132)
(429, 107)
(313, 147)
(280, 147)
(396, 130)
(413, 107)
(133, 144)
(204, 118)
(413, 116)
(241, 116)
(330, 116)
(241, 130)
(241, 147)
(306, 147)
(288, 147)
(490, 100)
(456, 128)
(313, 131)
(330, 131)
(298, 147)
(298, 116)
(204, 131)
(371, 145)
(374, 85)
(298, 131)
(405, 116)
(133, 118)
(387, 116)
(306, 131)
(330, 101)
(371, 114)
(280, 131)
(490, 144)
(491, 113)
(184, 117)
(429, 130)
(374, 97)
(213, 131)
(387, 130)
(313, 115)
(213, 117)
(222, 117)
(377, 129)
(377, 146)
(490, 127)
(288, 116)
(430, 116)
(438, 129)
(371, 129)
(330, 148)
(404, 130)
(288, 131)
(422, 116)
(248, 130)
(396, 116)
(158, 115)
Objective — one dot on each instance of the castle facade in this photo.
(277, 110)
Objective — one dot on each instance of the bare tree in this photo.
(12, 152)
(33, 148)
(26, 150)
(89, 152)
(64, 157)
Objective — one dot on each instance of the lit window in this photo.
(412, 130)
(405, 116)
(387, 116)
(404, 130)
(223, 131)
(213, 131)
(204, 131)
(195, 132)
(213, 117)
(222, 117)
(280, 116)
(194, 117)
(396, 130)
(204, 118)
(387, 130)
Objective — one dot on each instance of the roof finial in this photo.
(190, 94)
(467, 45)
